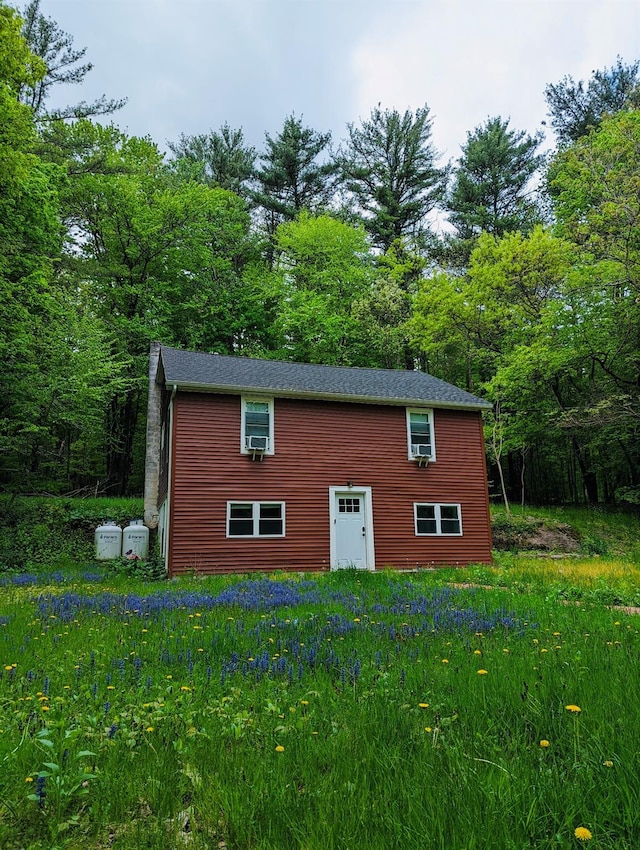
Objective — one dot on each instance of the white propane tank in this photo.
(135, 539)
(108, 539)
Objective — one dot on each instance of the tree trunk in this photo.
(121, 426)
(589, 478)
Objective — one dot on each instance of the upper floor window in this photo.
(420, 436)
(257, 426)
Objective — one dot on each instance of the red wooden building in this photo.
(264, 465)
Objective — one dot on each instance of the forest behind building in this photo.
(512, 271)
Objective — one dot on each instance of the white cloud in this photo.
(189, 66)
(470, 60)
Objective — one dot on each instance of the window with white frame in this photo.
(257, 426)
(255, 519)
(435, 519)
(420, 434)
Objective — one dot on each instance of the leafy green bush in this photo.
(52, 532)
(146, 569)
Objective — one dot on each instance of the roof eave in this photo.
(195, 387)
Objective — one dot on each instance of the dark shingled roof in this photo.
(191, 370)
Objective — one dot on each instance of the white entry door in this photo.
(351, 530)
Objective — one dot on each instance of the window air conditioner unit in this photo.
(421, 450)
(257, 444)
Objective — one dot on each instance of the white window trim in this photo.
(256, 519)
(437, 506)
(429, 412)
(243, 406)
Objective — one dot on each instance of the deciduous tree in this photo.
(324, 267)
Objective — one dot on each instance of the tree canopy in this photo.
(328, 256)
(491, 190)
(576, 108)
(388, 167)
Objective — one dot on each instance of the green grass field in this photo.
(344, 710)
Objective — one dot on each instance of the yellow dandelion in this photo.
(356, 619)
(427, 728)
(477, 652)
(482, 672)
(423, 705)
(149, 729)
(279, 748)
(582, 833)
(29, 779)
(304, 702)
(44, 707)
(8, 667)
(608, 763)
(445, 660)
(544, 743)
(111, 687)
(575, 709)
(184, 688)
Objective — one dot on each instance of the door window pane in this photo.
(348, 505)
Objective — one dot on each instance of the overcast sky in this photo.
(187, 66)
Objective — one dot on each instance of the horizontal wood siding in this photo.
(319, 445)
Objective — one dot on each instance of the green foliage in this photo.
(292, 178)
(388, 167)
(145, 569)
(63, 784)
(105, 246)
(490, 186)
(218, 158)
(153, 252)
(598, 529)
(324, 267)
(63, 66)
(45, 533)
(511, 533)
(174, 740)
(576, 109)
